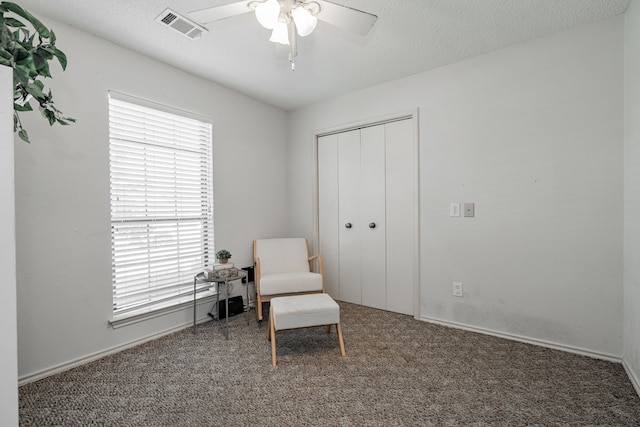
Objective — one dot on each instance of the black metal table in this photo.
(201, 277)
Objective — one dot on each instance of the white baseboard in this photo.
(100, 354)
(524, 339)
(635, 380)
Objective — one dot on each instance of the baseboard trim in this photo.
(524, 339)
(100, 354)
(632, 376)
(26, 379)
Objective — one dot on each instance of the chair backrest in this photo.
(282, 255)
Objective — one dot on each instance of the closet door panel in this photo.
(328, 212)
(400, 211)
(372, 157)
(349, 223)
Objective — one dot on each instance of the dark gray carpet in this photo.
(397, 372)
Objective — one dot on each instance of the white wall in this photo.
(62, 196)
(632, 194)
(8, 332)
(533, 134)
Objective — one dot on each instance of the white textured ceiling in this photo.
(409, 37)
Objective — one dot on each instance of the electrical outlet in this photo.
(457, 289)
(469, 210)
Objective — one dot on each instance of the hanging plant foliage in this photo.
(28, 49)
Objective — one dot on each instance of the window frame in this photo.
(161, 178)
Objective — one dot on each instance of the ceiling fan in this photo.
(291, 18)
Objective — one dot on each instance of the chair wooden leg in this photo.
(329, 329)
(259, 306)
(272, 329)
(339, 328)
(269, 328)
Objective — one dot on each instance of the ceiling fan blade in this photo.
(347, 18)
(204, 16)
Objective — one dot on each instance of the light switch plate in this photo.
(457, 289)
(469, 210)
(454, 209)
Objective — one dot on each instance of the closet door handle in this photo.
(372, 225)
(347, 225)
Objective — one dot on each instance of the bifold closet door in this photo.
(372, 221)
(351, 192)
(366, 215)
(349, 217)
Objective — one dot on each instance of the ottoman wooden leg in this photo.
(272, 330)
(339, 328)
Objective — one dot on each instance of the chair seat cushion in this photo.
(284, 283)
(302, 311)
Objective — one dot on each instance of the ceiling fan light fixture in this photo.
(280, 33)
(267, 13)
(304, 20)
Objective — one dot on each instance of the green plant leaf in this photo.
(34, 89)
(66, 121)
(12, 22)
(25, 107)
(45, 52)
(39, 85)
(38, 60)
(49, 115)
(29, 57)
(6, 54)
(21, 75)
(20, 52)
(40, 28)
(23, 135)
(62, 58)
(4, 60)
(40, 63)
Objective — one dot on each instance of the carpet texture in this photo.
(397, 372)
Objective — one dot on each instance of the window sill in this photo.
(138, 316)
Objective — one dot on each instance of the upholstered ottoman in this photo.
(303, 311)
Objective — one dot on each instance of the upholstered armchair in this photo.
(283, 267)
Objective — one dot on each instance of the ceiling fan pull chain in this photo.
(293, 44)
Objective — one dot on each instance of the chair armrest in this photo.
(257, 274)
(320, 267)
(318, 256)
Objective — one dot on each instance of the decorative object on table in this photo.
(29, 58)
(221, 271)
(223, 256)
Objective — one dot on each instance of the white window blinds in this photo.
(161, 204)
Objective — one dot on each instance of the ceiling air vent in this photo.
(181, 24)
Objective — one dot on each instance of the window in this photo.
(161, 204)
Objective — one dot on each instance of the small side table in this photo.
(201, 277)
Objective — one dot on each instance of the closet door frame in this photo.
(392, 117)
